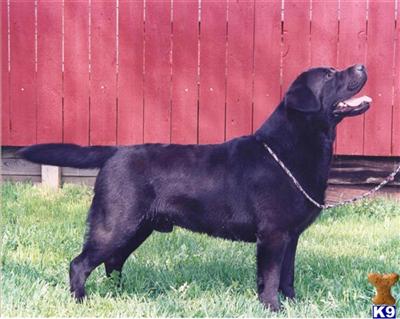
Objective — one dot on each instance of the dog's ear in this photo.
(301, 98)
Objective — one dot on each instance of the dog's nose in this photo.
(359, 67)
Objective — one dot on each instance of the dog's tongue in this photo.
(356, 101)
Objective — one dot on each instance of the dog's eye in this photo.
(329, 74)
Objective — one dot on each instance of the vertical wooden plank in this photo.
(324, 33)
(22, 78)
(267, 59)
(157, 83)
(352, 48)
(51, 176)
(103, 83)
(5, 77)
(239, 68)
(378, 120)
(184, 72)
(396, 105)
(130, 72)
(296, 40)
(49, 72)
(212, 72)
(76, 72)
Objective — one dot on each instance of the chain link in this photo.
(328, 206)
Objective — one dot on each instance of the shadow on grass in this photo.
(316, 277)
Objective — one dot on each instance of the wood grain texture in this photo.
(22, 78)
(69, 171)
(362, 170)
(18, 166)
(296, 40)
(346, 170)
(51, 176)
(352, 50)
(267, 60)
(82, 180)
(103, 83)
(49, 72)
(76, 72)
(5, 77)
(212, 72)
(158, 95)
(377, 135)
(324, 33)
(239, 69)
(130, 75)
(396, 104)
(184, 72)
(22, 178)
(338, 193)
(157, 83)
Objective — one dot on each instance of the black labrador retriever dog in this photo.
(234, 190)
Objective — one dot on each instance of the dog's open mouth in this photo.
(353, 106)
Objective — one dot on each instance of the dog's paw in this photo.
(78, 295)
(273, 306)
(288, 292)
(271, 303)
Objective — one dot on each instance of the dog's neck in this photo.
(303, 147)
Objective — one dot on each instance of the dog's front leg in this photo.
(271, 249)
(286, 284)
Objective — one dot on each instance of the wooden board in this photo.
(184, 72)
(69, 171)
(103, 86)
(324, 33)
(338, 193)
(51, 176)
(5, 77)
(83, 180)
(346, 170)
(239, 82)
(76, 72)
(352, 34)
(157, 83)
(296, 40)
(212, 89)
(49, 71)
(267, 60)
(377, 136)
(22, 77)
(9, 152)
(396, 105)
(362, 170)
(18, 166)
(22, 178)
(130, 73)
(235, 90)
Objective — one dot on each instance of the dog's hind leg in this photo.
(102, 243)
(116, 261)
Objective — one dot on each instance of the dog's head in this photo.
(329, 93)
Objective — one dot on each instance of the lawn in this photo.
(183, 274)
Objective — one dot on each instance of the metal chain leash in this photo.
(327, 206)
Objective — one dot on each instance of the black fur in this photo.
(233, 190)
(69, 155)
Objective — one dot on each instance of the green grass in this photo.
(183, 274)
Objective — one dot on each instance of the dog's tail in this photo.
(68, 155)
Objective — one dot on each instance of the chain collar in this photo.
(327, 206)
